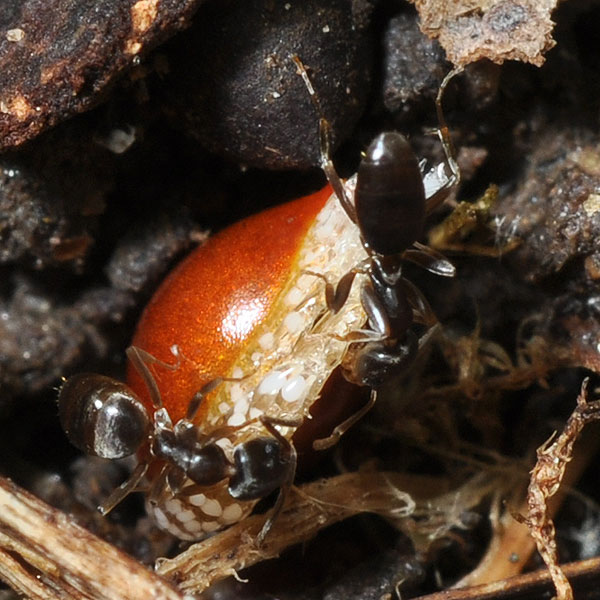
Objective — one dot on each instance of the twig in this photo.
(45, 556)
(584, 574)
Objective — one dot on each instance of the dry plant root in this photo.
(45, 555)
(309, 509)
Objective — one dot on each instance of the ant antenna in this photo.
(443, 130)
(139, 359)
(325, 144)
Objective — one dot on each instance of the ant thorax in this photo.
(286, 361)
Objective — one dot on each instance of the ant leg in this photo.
(338, 432)
(120, 493)
(197, 398)
(360, 336)
(428, 258)
(438, 184)
(325, 145)
(336, 296)
(329, 169)
(175, 479)
(421, 307)
(428, 335)
(140, 359)
(269, 424)
(206, 389)
(443, 131)
(158, 485)
(227, 430)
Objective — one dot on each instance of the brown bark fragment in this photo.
(546, 478)
(44, 554)
(57, 58)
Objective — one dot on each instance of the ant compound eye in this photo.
(260, 469)
(390, 197)
(102, 416)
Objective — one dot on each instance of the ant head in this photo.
(102, 416)
(260, 468)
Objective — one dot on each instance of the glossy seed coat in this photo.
(213, 301)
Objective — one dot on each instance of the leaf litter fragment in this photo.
(497, 30)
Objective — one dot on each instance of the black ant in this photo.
(104, 417)
(392, 199)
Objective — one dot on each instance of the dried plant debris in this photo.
(498, 30)
(470, 228)
(425, 519)
(584, 575)
(546, 477)
(44, 555)
(57, 58)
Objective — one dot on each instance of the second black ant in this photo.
(392, 198)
